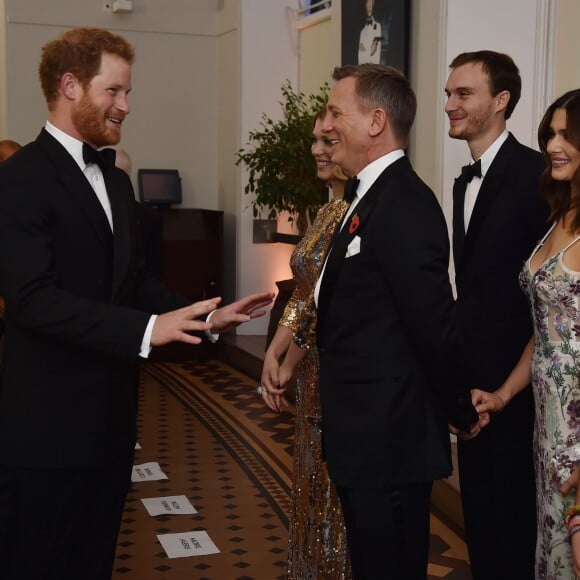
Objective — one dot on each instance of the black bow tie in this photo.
(468, 172)
(104, 158)
(369, 21)
(350, 188)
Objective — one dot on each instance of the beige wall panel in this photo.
(567, 46)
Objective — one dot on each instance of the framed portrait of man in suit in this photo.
(376, 31)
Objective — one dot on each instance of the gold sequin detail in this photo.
(317, 538)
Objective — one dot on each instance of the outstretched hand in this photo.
(174, 326)
(240, 311)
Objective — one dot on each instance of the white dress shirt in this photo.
(473, 187)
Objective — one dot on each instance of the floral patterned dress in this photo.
(317, 538)
(554, 295)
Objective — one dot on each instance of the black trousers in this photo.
(61, 524)
(387, 531)
(498, 493)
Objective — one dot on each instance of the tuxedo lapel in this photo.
(340, 241)
(459, 188)
(76, 184)
(490, 189)
(122, 237)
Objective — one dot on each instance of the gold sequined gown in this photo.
(317, 547)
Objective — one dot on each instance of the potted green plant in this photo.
(281, 170)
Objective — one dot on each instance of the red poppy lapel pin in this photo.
(354, 224)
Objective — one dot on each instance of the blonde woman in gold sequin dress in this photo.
(317, 546)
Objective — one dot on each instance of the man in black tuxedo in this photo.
(80, 310)
(498, 217)
(391, 367)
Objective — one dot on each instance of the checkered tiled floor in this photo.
(222, 448)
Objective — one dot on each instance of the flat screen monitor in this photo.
(159, 186)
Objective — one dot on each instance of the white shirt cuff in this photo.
(212, 337)
(146, 342)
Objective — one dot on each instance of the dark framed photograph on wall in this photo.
(376, 31)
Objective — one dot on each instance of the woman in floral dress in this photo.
(317, 547)
(551, 280)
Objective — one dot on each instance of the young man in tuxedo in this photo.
(498, 217)
(80, 311)
(391, 371)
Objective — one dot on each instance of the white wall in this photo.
(316, 56)
(3, 106)
(427, 59)
(268, 59)
(567, 71)
(229, 105)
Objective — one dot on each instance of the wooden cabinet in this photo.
(192, 252)
(185, 251)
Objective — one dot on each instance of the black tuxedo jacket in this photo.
(391, 367)
(77, 304)
(508, 219)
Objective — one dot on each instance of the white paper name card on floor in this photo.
(187, 544)
(147, 472)
(169, 505)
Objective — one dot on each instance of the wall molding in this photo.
(545, 58)
(441, 133)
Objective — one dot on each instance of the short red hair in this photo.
(79, 52)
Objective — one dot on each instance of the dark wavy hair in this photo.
(558, 193)
(502, 71)
(79, 52)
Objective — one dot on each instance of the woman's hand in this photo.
(571, 484)
(486, 402)
(270, 371)
(274, 398)
(272, 393)
(285, 374)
